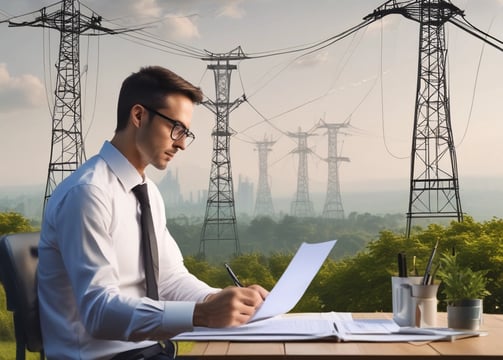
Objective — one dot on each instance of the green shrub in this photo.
(6, 322)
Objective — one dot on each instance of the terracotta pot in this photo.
(465, 314)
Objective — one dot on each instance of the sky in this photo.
(367, 80)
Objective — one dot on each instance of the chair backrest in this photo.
(18, 265)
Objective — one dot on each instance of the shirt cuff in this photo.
(178, 316)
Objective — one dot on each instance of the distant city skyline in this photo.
(481, 198)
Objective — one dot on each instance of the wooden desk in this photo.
(488, 347)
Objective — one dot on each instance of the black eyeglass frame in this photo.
(189, 135)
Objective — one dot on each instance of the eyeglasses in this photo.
(178, 131)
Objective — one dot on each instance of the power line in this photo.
(5, 14)
(381, 78)
(220, 216)
(472, 30)
(333, 208)
(434, 187)
(165, 46)
(313, 47)
(67, 146)
(263, 202)
(96, 89)
(47, 69)
(475, 87)
(302, 205)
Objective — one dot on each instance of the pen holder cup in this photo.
(401, 290)
(424, 305)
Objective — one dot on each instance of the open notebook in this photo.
(329, 326)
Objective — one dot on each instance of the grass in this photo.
(183, 347)
(8, 350)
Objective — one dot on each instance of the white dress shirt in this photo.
(91, 279)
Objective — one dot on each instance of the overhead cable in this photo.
(469, 28)
(313, 47)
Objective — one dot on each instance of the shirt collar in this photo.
(120, 166)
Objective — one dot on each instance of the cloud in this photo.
(129, 12)
(173, 25)
(313, 59)
(180, 27)
(170, 20)
(146, 8)
(385, 23)
(19, 92)
(232, 9)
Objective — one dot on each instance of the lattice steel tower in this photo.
(67, 146)
(333, 208)
(263, 203)
(220, 218)
(302, 205)
(434, 187)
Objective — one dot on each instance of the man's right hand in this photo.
(232, 306)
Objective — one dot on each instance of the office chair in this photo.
(18, 268)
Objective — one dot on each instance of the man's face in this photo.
(153, 138)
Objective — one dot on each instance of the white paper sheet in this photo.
(276, 326)
(293, 283)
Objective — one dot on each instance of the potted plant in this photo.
(464, 291)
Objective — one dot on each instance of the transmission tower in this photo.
(333, 208)
(263, 204)
(220, 218)
(434, 187)
(67, 146)
(302, 205)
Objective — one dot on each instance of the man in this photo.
(91, 276)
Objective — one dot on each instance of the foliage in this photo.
(362, 282)
(6, 321)
(284, 235)
(461, 282)
(10, 222)
(357, 275)
(13, 222)
(8, 351)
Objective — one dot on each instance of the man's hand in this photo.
(233, 306)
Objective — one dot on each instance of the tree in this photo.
(13, 222)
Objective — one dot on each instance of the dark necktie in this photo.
(148, 241)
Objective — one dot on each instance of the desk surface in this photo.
(490, 346)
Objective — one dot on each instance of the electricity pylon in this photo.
(263, 203)
(302, 205)
(67, 146)
(220, 218)
(333, 208)
(434, 186)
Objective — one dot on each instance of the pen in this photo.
(434, 273)
(233, 276)
(402, 265)
(426, 277)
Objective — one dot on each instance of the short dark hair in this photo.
(150, 86)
